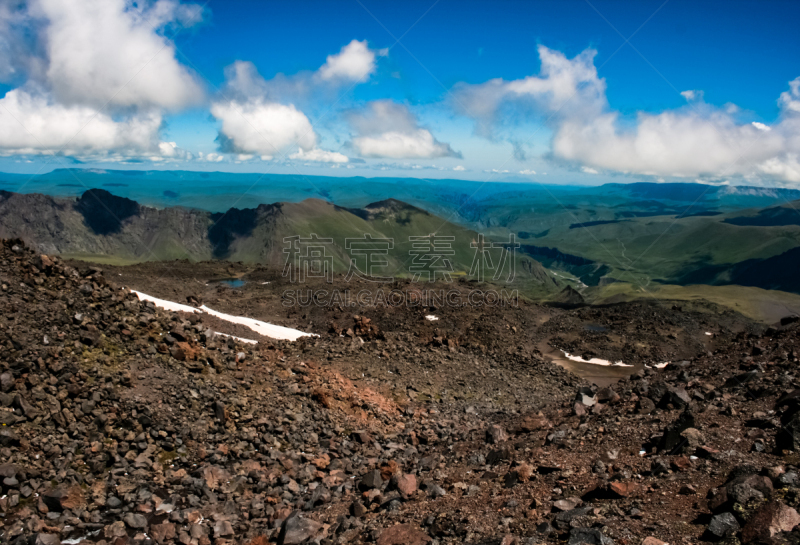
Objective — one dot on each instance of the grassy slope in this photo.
(663, 247)
(767, 306)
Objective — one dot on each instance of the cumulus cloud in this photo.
(96, 77)
(387, 129)
(355, 62)
(262, 128)
(111, 51)
(34, 124)
(696, 140)
(254, 124)
(565, 87)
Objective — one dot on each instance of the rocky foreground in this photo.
(122, 423)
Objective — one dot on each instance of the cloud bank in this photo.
(97, 75)
(696, 140)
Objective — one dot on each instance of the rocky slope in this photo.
(122, 423)
(100, 225)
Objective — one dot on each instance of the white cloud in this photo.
(692, 94)
(262, 128)
(171, 151)
(210, 157)
(32, 124)
(785, 168)
(252, 124)
(695, 140)
(389, 130)
(401, 145)
(527, 172)
(319, 156)
(790, 100)
(97, 77)
(588, 170)
(564, 88)
(760, 126)
(355, 62)
(459, 168)
(111, 51)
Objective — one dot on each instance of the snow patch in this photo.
(262, 328)
(76, 540)
(595, 361)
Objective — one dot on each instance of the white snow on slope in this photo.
(262, 328)
(595, 361)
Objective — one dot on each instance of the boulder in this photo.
(296, 530)
(768, 521)
(721, 526)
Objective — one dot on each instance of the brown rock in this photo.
(607, 395)
(214, 476)
(496, 434)
(163, 533)
(181, 351)
(403, 534)
(653, 541)
(389, 469)
(567, 504)
(623, 490)
(60, 499)
(532, 423)
(407, 484)
(681, 463)
(769, 520)
(115, 530)
(223, 528)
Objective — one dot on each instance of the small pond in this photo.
(233, 282)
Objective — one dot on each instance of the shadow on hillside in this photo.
(778, 272)
(228, 226)
(103, 212)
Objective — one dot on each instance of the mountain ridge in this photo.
(99, 223)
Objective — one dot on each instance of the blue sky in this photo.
(547, 91)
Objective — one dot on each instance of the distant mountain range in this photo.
(672, 233)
